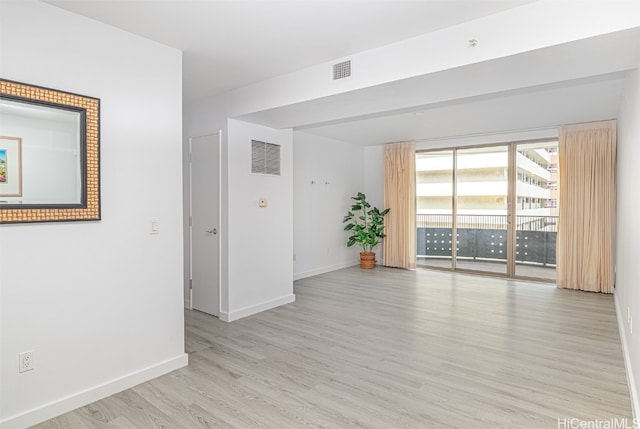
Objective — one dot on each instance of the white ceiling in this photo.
(227, 44)
(581, 100)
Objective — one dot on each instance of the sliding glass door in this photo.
(482, 187)
(434, 187)
(536, 220)
(500, 204)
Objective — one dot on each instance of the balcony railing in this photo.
(484, 237)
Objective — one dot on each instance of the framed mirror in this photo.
(49, 155)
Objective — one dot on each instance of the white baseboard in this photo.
(85, 397)
(253, 309)
(635, 404)
(322, 270)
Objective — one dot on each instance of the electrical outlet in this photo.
(25, 361)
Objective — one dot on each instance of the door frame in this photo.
(219, 177)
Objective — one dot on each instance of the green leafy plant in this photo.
(365, 223)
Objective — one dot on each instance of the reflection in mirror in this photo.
(49, 155)
(42, 154)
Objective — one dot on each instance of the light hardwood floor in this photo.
(389, 348)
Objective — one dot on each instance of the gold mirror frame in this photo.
(89, 108)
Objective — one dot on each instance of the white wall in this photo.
(318, 208)
(260, 239)
(627, 292)
(374, 175)
(99, 303)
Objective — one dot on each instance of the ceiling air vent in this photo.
(265, 158)
(342, 70)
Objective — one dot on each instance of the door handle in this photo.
(213, 231)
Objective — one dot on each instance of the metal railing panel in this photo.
(485, 237)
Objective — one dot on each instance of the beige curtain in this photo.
(399, 247)
(586, 234)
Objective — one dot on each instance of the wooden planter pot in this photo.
(367, 260)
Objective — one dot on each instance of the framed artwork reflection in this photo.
(10, 166)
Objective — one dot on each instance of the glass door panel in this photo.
(482, 189)
(536, 207)
(434, 192)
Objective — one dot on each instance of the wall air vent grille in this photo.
(265, 158)
(342, 70)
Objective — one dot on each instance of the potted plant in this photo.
(366, 225)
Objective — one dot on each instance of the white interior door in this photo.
(205, 215)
